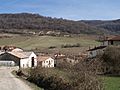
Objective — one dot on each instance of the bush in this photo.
(78, 77)
(52, 47)
(111, 58)
(70, 46)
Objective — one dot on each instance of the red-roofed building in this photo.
(112, 41)
(45, 61)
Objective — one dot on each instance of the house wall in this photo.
(116, 42)
(48, 63)
(105, 43)
(24, 63)
(94, 53)
(27, 62)
(30, 60)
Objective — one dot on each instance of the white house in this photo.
(45, 61)
(21, 59)
(95, 51)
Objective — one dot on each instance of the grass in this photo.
(112, 83)
(33, 42)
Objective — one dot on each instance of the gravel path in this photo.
(10, 82)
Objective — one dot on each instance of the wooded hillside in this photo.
(110, 25)
(36, 22)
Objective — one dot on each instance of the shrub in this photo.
(70, 46)
(111, 58)
(52, 47)
(78, 77)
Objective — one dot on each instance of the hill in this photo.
(110, 25)
(20, 23)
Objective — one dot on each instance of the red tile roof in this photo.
(116, 38)
(42, 58)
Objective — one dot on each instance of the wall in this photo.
(27, 62)
(46, 63)
(116, 42)
(105, 43)
(94, 53)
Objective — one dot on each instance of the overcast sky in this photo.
(68, 9)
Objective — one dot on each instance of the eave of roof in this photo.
(116, 38)
(43, 58)
(96, 48)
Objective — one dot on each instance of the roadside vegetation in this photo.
(109, 62)
(66, 77)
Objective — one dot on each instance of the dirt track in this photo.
(10, 82)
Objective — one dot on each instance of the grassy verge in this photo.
(112, 83)
(32, 85)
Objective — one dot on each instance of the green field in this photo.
(112, 83)
(27, 42)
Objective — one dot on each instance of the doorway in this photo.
(111, 42)
(32, 61)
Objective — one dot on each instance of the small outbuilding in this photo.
(112, 41)
(45, 61)
(95, 51)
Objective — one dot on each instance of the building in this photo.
(21, 59)
(96, 51)
(45, 61)
(112, 41)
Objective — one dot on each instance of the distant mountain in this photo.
(110, 25)
(35, 22)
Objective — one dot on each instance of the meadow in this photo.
(33, 42)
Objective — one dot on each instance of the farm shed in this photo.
(112, 41)
(21, 59)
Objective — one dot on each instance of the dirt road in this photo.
(10, 82)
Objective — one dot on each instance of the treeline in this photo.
(111, 25)
(35, 22)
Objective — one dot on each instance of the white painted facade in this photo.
(48, 62)
(27, 62)
(105, 43)
(94, 53)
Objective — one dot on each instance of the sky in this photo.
(67, 9)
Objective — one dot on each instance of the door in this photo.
(32, 62)
(111, 42)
